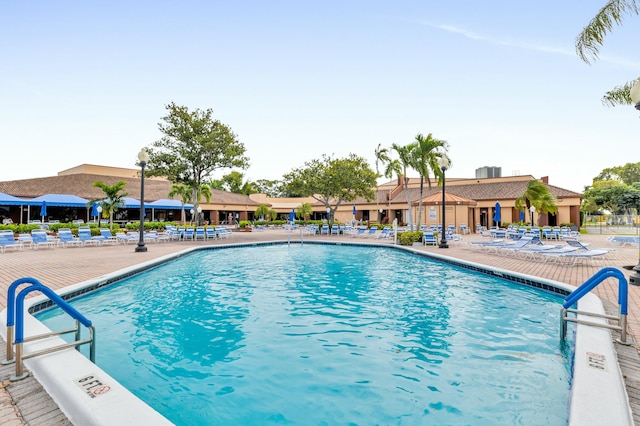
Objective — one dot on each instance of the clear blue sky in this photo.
(87, 82)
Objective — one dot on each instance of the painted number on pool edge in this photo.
(92, 385)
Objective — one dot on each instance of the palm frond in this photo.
(619, 95)
(591, 38)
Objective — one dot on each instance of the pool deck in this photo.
(26, 403)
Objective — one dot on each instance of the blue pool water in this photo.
(322, 335)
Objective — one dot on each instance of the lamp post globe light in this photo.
(99, 215)
(443, 162)
(143, 159)
(634, 278)
(532, 209)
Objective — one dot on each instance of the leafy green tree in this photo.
(332, 181)
(113, 198)
(304, 210)
(591, 38)
(607, 194)
(194, 145)
(184, 193)
(628, 174)
(537, 195)
(273, 188)
(424, 155)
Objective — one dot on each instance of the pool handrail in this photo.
(15, 319)
(586, 287)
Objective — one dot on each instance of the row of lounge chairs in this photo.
(571, 253)
(38, 238)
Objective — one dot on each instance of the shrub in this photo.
(407, 238)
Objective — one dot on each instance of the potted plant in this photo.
(244, 226)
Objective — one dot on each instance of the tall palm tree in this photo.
(424, 155)
(591, 38)
(404, 160)
(382, 157)
(113, 199)
(182, 191)
(537, 194)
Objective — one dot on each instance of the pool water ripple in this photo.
(330, 335)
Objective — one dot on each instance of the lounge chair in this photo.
(324, 230)
(429, 238)
(595, 256)
(67, 239)
(40, 239)
(359, 232)
(223, 232)
(123, 238)
(107, 236)
(189, 234)
(200, 234)
(335, 229)
(7, 240)
(210, 233)
(84, 235)
(384, 233)
(372, 232)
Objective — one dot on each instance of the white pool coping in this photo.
(598, 395)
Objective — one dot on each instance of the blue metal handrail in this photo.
(15, 318)
(586, 287)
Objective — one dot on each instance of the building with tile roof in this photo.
(468, 201)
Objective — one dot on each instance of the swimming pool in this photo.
(316, 333)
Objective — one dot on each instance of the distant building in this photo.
(468, 201)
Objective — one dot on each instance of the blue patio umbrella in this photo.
(43, 209)
(292, 216)
(496, 214)
(521, 215)
(94, 210)
(354, 210)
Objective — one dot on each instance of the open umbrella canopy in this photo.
(43, 209)
(496, 213)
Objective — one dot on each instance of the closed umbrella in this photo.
(521, 215)
(354, 210)
(292, 216)
(94, 210)
(496, 214)
(43, 210)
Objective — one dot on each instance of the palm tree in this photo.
(425, 152)
(591, 38)
(304, 211)
(382, 157)
(404, 160)
(537, 195)
(199, 192)
(262, 211)
(113, 200)
(182, 191)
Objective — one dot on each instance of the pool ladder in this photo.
(586, 287)
(15, 318)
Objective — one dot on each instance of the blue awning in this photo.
(10, 200)
(60, 200)
(166, 204)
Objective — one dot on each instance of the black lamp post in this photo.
(99, 215)
(143, 158)
(532, 209)
(634, 278)
(443, 162)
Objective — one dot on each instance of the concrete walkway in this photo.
(60, 267)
